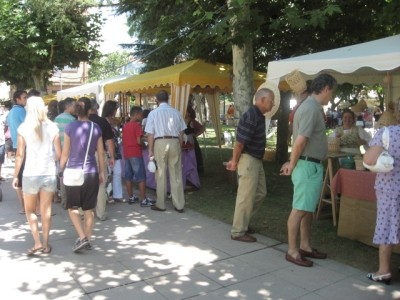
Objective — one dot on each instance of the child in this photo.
(134, 165)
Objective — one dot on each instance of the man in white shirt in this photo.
(164, 127)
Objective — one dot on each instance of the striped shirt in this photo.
(251, 132)
(62, 120)
(165, 121)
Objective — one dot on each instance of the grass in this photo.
(216, 199)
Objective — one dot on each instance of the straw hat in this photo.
(360, 106)
(277, 97)
(296, 82)
(387, 118)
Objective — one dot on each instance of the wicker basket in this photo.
(333, 144)
(269, 155)
(296, 82)
(387, 118)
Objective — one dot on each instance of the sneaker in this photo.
(147, 202)
(119, 200)
(79, 244)
(89, 246)
(110, 201)
(133, 200)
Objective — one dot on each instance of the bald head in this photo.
(264, 92)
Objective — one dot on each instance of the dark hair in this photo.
(61, 106)
(321, 81)
(52, 110)
(33, 92)
(135, 110)
(93, 103)
(308, 88)
(109, 108)
(349, 111)
(191, 112)
(145, 113)
(18, 94)
(162, 96)
(67, 101)
(86, 107)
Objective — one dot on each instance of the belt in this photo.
(166, 137)
(308, 158)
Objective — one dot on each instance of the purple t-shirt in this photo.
(79, 132)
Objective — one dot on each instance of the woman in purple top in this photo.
(387, 188)
(76, 140)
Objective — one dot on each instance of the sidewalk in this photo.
(143, 254)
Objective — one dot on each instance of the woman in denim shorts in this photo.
(38, 140)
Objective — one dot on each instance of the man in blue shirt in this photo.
(15, 118)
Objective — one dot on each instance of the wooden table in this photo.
(327, 186)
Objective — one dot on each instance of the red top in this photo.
(130, 132)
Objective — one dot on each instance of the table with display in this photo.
(357, 214)
(331, 198)
(189, 170)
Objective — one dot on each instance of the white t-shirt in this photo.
(39, 154)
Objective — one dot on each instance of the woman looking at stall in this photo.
(109, 110)
(387, 188)
(351, 136)
(37, 139)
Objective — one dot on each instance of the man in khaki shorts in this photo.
(247, 159)
(310, 147)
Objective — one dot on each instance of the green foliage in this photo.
(39, 36)
(172, 29)
(107, 66)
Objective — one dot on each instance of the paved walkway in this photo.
(142, 254)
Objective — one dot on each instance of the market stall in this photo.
(372, 62)
(195, 77)
(357, 214)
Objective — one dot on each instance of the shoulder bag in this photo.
(76, 177)
(385, 161)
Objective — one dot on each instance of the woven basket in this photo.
(296, 82)
(269, 155)
(334, 145)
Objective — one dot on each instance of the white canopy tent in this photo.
(95, 88)
(366, 63)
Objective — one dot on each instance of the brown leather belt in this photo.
(166, 137)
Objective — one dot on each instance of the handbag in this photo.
(76, 177)
(385, 161)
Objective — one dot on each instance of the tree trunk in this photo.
(283, 128)
(40, 82)
(242, 61)
(242, 77)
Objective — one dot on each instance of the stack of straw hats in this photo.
(296, 82)
(359, 107)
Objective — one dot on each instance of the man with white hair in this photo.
(247, 160)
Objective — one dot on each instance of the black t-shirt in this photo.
(105, 128)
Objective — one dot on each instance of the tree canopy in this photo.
(180, 29)
(107, 66)
(40, 36)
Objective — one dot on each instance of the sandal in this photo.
(33, 251)
(47, 250)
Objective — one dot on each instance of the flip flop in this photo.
(33, 251)
(47, 250)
